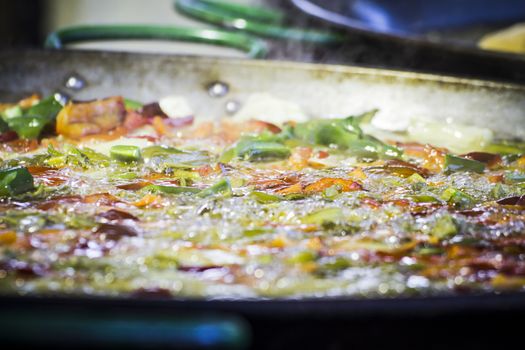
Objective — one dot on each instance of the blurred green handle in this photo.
(255, 48)
(114, 330)
(259, 21)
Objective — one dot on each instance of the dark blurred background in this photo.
(21, 23)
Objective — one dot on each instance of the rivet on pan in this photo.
(62, 97)
(232, 107)
(75, 82)
(218, 89)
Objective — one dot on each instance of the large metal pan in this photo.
(320, 90)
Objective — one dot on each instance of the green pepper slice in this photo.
(455, 164)
(132, 104)
(29, 124)
(28, 127)
(256, 151)
(47, 108)
(15, 181)
(125, 153)
(173, 189)
(222, 186)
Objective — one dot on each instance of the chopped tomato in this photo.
(76, 120)
(344, 185)
(322, 154)
(148, 200)
(299, 157)
(433, 157)
(134, 120)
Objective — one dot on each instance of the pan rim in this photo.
(363, 70)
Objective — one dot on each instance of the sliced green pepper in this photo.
(444, 226)
(506, 147)
(223, 186)
(256, 151)
(47, 108)
(15, 181)
(332, 265)
(256, 231)
(12, 112)
(161, 158)
(454, 164)
(28, 127)
(303, 257)
(125, 153)
(345, 134)
(423, 198)
(364, 118)
(499, 191)
(3, 126)
(457, 198)
(332, 192)
(264, 198)
(338, 132)
(415, 178)
(326, 132)
(323, 215)
(368, 147)
(153, 151)
(124, 176)
(227, 155)
(172, 189)
(425, 251)
(31, 123)
(132, 104)
(73, 156)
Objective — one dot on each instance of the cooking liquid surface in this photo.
(257, 210)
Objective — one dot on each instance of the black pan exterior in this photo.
(468, 322)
